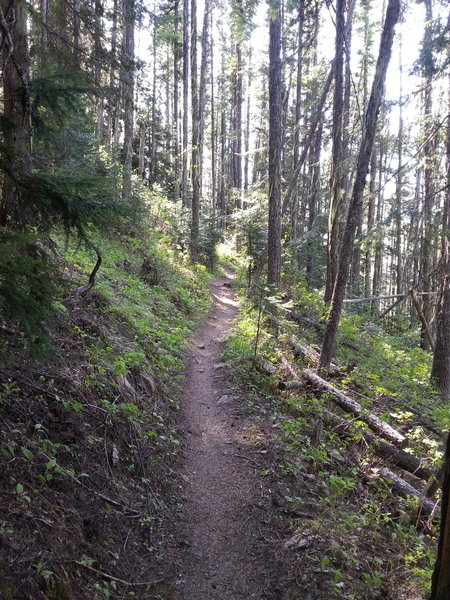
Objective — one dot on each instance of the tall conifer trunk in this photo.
(127, 73)
(184, 180)
(275, 143)
(195, 165)
(336, 183)
(17, 133)
(368, 135)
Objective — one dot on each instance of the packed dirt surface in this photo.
(226, 548)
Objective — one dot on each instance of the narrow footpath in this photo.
(224, 549)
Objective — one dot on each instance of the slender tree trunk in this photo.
(142, 139)
(440, 373)
(336, 183)
(370, 224)
(223, 174)
(17, 135)
(202, 87)
(368, 135)
(429, 159)
(379, 238)
(76, 32)
(115, 99)
(440, 588)
(399, 183)
(176, 119)
(44, 17)
(98, 49)
(314, 171)
(184, 182)
(128, 8)
(153, 138)
(298, 114)
(213, 125)
(195, 166)
(247, 125)
(236, 130)
(275, 143)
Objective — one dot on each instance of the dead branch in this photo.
(388, 452)
(404, 489)
(117, 580)
(83, 290)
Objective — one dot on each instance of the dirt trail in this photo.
(224, 553)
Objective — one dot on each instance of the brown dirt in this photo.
(226, 540)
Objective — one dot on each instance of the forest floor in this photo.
(226, 538)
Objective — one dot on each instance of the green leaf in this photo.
(19, 488)
(51, 464)
(27, 453)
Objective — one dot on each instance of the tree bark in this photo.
(17, 135)
(127, 76)
(275, 149)
(352, 407)
(336, 183)
(236, 120)
(404, 489)
(184, 180)
(195, 125)
(176, 110)
(371, 118)
(426, 248)
(440, 373)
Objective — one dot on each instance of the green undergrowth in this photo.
(89, 435)
(348, 536)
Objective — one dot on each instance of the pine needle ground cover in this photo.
(89, 434)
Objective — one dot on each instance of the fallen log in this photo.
(306, 352)
(388, 452)
(291, 385)
(352, 407)
(404, 489)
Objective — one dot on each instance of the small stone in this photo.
(297, 542)
(220, 365)
(201, 346)
(226, 399)
(115, 455)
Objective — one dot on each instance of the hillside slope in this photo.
(89, 436)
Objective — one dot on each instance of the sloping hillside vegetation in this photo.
(89, 433)
(346, 529)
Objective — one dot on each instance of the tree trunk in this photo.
(44, 17)
(336, 182)
(399, 182)
(236, 129)
(275, 143)
(76, 32)
(370, 223)
(115, 99)
(17, 135)
(127, 76)
(213, 127)
(298, 114)
(195, 164)
(184, 181)
(371, 118)
(176, 110)
(430, 166)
